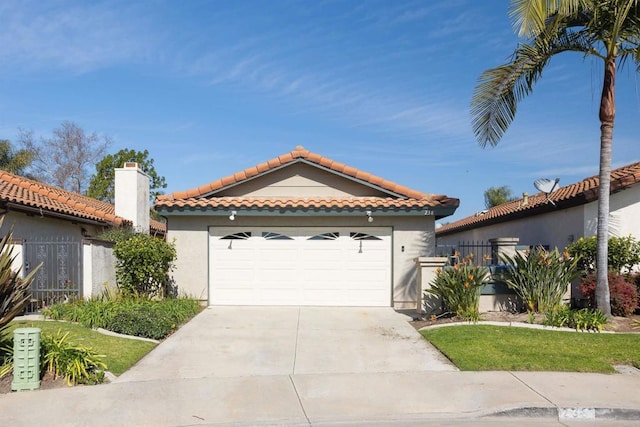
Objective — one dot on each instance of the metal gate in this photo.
(60, 277)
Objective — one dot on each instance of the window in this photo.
(269, 235)
(241, 235)
(363, 236)
(332, 235)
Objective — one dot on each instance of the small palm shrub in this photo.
(458, 288)
(540, 278)
(623, 295)
(76, 363)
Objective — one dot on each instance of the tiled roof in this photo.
(571, 195)
(33, 194)
(309, 202)
(198, 197)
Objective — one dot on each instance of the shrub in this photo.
(143, 265)
(458, 287)
(623, 253)
(76, 363)
(623, 295)
(540, 278)
(142, 321)
(582, 320)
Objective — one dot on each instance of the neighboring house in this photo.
(302, 229)
(57, 227)
(569, 213)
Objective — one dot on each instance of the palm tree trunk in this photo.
(607, 117)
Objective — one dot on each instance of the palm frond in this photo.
(530, 17)
(495, 98)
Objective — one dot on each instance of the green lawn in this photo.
(120, 353)
(487, 348)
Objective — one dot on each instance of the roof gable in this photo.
(299, 154)
(576, 194)
(350, 189)
(301, 179)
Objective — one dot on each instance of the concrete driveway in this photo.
(254, 341)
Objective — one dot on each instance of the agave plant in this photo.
(15, 291)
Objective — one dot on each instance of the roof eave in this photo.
(437, 211)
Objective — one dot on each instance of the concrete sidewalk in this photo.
(309, 366)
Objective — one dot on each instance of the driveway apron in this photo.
(256, 341)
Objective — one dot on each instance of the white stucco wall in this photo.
(624, 214)
(412, 237)
(555, 229)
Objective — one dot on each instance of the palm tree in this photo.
(604, 29)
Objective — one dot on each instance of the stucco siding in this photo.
(300, 180)
(411, 237)
(27, 227)
(555, 229)
(624, 212)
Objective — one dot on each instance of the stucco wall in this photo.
(412, 237)
(301, 180)
(27, 227)
(555, 229)
(624, 214)
(98, 267)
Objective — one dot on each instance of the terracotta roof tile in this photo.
(197, 198)
(576, 194)
(308, 202)
(26, 192)
(299, 153)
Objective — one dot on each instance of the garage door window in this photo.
(325, 236)
(242, 235)
(363, 236)
(269, 235)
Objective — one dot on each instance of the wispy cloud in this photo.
(75, 37)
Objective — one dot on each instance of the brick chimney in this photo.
(132, 196)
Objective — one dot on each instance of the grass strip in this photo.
(120, 353)
(499, 348)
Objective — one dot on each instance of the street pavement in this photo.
(304, 366)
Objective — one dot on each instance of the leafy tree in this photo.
(495, 196)
(101, 186)
(12, 160)
(64, 159)
(605, 29)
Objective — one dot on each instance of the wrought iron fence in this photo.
(60, 277)
(480, 251)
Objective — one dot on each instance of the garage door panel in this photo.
(296, 267)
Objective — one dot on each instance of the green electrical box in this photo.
(26, 359)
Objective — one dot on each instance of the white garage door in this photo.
(300, 266)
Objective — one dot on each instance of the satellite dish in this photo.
(546, 186)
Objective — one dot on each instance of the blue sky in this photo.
(213, 87)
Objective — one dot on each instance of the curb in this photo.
(521, 325)
(573, 413)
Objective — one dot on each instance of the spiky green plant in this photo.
(540, 278)
(459, 286)
(15, 291)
